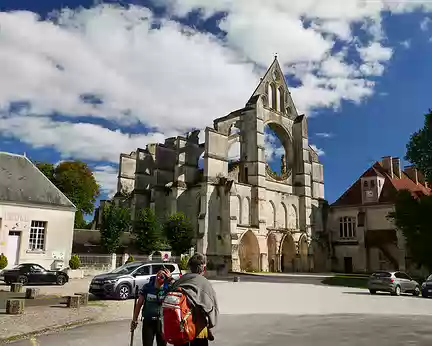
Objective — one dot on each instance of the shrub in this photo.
(3, 261)
(184, 263)
(74, 262)
(130, 259)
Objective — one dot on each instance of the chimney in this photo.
(411, 172)
(388, 166)
(397, 167)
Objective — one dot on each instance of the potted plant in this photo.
(74, 271)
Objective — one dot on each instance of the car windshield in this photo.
(126, 268)
(429, 278)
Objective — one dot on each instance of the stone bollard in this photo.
(16, 287)
(84, 298)
(15, 306)
(73, 302)
(32, 293)
(236, 279)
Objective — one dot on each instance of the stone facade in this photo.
(363, 238)
(246, 217)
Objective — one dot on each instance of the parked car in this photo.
(121, 283)
(427, 287)
(393, 282)
(31, 273)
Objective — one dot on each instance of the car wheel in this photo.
(372, 291)
(61, 280)
(416, 291)
(397, 291)
(22, 280)
(123, 292)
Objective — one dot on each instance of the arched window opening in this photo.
(282, 100)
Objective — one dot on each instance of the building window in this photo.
(365, 184)
(347, 227)
(37, 235)
(372, 183)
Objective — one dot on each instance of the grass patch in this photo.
(346, 281)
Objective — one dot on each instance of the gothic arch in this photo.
(249, 252)
(246, 215)
(236, 208)
(303, 252)
(272, 252)
(292, 217)
(272, 96)
(281, 99)
(283, 215)
(272, 214)
(288, 253)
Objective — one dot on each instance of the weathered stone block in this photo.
(84, 297)
(16, 287)
(73, 302)
(15, 306)
(32, 293)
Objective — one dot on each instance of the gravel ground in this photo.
(244, 298)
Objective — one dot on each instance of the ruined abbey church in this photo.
(247, 217)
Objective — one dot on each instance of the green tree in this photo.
(179, 233)
(76, 180)
(148, 232)
(412, 217)
(419, 148)
(115, 221)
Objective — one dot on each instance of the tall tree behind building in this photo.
(76, 180)
(412, 213)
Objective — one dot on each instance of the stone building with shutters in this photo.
(246, 216)
(36, 218)
(363, 238)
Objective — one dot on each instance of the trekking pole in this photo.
(133, 314)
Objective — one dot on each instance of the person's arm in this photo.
(138, 307)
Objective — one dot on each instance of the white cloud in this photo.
(171, 78)
(81, 140)
(324, 134)
(425, 23)
(375, 52)
(106, 176)
(272, 146)
(319, 151)
(406, 44)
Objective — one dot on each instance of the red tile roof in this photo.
(353, 196)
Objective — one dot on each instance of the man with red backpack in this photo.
(190, 309)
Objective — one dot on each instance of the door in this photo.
(37, 275)
(348, 265)
(405, 282)
(142, 276)
(13, 248)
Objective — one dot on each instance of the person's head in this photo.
(197, 264)
(161, 277)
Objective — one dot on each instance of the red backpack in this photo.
(178, 326)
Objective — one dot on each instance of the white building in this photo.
(36, 218)
(246, 216)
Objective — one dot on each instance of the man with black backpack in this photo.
(202, 299)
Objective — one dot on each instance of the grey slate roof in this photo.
(22, 182)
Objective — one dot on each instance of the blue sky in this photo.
(360, 70)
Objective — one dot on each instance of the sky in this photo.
(89, 80)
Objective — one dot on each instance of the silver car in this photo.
(393, 282)
(122, 282)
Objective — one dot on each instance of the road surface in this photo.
(274, 330)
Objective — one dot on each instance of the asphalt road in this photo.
(274, 330)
